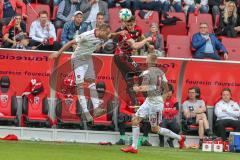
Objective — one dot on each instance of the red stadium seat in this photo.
(200, 18)
(178, 46)
(178, 29)
(54, 13)
(59, 34)
(145, 23)
(67, 110)
(32, 12)
(106, 119)
(232, 46)
(114, 20)
(35, 107)
(8, 103)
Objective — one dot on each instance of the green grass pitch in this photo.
(27, 150)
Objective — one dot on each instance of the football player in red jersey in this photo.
(130, 39)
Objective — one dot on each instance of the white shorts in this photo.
(153, 112)
(83, 69)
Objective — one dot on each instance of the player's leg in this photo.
(146, 128)
(90, 77)
(153, 118)
(80, 69)
(125, 67)
(142, 112)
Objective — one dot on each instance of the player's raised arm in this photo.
(138, 45)
(65, 47)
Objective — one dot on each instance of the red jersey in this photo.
(170, 111)
(123, 47)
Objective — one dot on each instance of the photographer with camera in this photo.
(194, 111)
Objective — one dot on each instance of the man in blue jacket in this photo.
(207, 45)
(73, 28)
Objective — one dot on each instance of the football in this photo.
(125, 14)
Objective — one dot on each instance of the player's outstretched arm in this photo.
(165, 89)
(65, 47)
(138, 45)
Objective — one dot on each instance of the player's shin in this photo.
(168, 133)
(94, 95)
(136, 133)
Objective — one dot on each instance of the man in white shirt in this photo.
(228, 114)
(43, 34)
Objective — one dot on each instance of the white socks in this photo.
(94, 95)
(136, 133)
(169, 133)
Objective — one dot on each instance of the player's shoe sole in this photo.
(129, 149)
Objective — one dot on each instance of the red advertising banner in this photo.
(212, 78)
(21, 66)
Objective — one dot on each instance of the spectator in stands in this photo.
(12, 31)
(229, 21)
(166, 5)
(56, 2)
(23, 43)
(170, 114)
(194, 111)
(66, 11)
(157, 43)
(73, 28)
(99, 19)
(196, 5)
(122, 3)
(228, 114)
(216, 6)
(154, 5)
(125, 115)
(206, 45)
(91, 8)
(43, 33)
(8, 11)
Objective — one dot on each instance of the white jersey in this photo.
(86, 44)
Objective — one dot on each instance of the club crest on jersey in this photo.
(68, 101)
(36, 100)
(4, 98)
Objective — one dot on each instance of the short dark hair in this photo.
(100, 14)
(197, 90)
(226, 89)
(42, 12)
(132, 19)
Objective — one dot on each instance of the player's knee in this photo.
(135, 121)
(200, 122)
(90, 81)
(155, 129)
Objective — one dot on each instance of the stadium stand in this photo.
(232, 46)
(114, 20)
(145, 23)
(179, 29)
(178, 46)
(200, 18)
